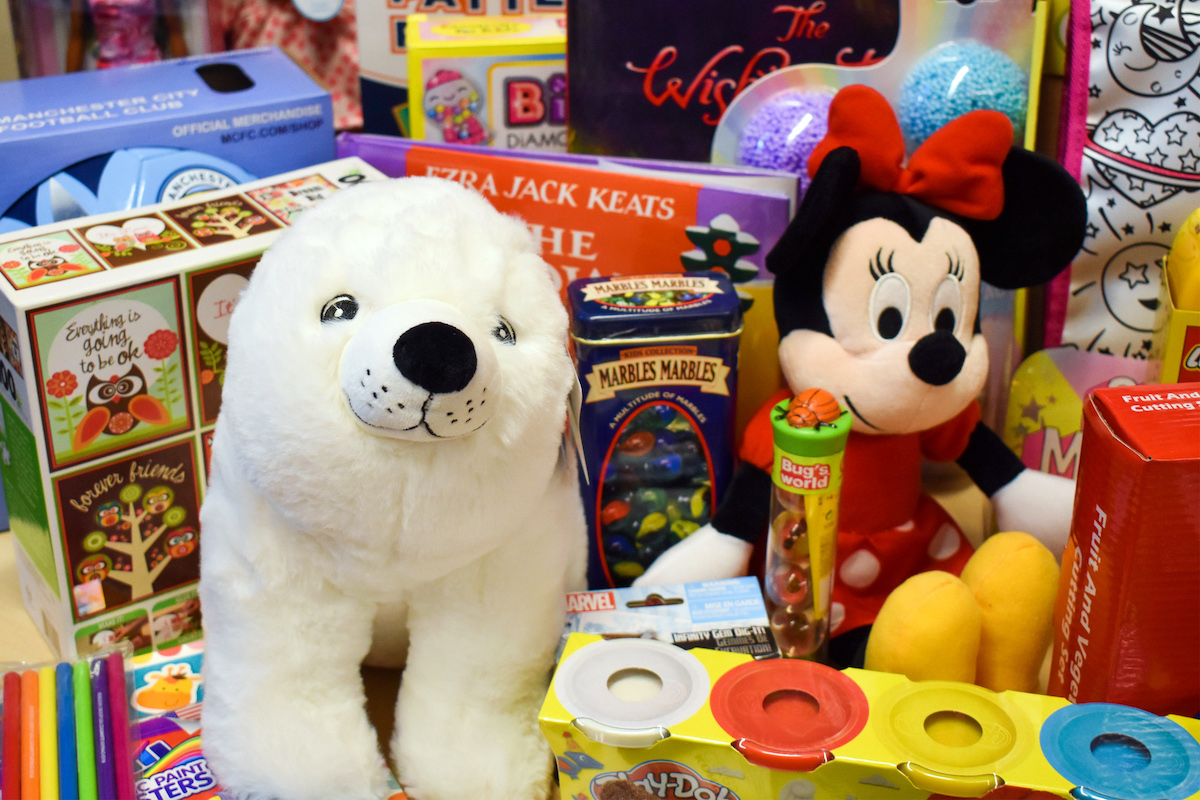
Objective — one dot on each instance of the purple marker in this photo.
(120, 725)
(106, 773)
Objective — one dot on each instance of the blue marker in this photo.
(68, 775)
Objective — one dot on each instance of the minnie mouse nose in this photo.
(435, 356)
(937, 358)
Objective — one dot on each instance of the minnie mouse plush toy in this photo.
(876, 298)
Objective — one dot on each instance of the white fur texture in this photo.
(332, 532)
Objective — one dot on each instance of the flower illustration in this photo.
(161, 344)
(60, 386)
(62, 383)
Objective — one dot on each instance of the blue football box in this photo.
(108, 140)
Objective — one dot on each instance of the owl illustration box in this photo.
(112, 353)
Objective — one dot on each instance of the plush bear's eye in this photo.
(504, 331)
(340, 308)
(889, 306)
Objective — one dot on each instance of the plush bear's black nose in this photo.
(937, 358)
(435, 356)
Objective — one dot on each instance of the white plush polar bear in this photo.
(387, 462)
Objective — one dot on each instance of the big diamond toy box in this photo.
(94, 142)
(489, 80)
(1127, 620)
(113, 332)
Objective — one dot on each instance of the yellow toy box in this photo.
(636, 719)
(498, 81)
(1178, 320)
(112, 356)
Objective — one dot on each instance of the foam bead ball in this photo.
(782, 133)
(955, 78)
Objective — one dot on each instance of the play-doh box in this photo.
(634, 719)
(657, 360)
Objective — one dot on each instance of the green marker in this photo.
(84, 739)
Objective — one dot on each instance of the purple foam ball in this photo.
(783, 132)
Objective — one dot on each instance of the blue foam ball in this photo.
(955, 78)
(782, 133)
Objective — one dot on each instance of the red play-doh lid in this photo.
(788, 714)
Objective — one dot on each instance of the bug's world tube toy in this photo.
(810, 436)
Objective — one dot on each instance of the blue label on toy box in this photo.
(657, 357)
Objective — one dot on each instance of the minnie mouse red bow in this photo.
(956, 169)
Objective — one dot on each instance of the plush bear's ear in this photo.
(1040, 229)
(798, 259)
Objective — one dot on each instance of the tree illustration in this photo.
(147, 523)
(232, 221)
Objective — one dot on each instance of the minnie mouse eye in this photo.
(889, 305)
(504, 331)
(340, 308)
(947, 305)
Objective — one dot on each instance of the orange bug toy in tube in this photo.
(810, 434)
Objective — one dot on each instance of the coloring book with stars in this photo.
(1140, 170)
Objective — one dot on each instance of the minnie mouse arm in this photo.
(744, 511)
(1024, 499)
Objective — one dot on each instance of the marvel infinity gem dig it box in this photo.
(113, 333)
(657, 359)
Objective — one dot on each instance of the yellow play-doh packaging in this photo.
(491, 80)
(629, 719)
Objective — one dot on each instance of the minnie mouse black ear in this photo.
(1040, 229)
(829, 196)
(798, 259)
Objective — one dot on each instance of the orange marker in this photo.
(31, 765)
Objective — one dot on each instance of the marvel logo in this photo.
(578, 602)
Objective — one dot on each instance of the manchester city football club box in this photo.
(112, 356)
(108, 140)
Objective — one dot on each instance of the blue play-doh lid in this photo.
(630, 307)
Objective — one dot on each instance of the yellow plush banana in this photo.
(1183, 265)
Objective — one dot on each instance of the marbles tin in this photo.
(657, 359)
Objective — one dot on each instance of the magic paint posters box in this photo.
(107, 140)
(600, 216)
(112, 355)
(1127, 620)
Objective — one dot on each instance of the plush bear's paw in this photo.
(475, 755)
(294, 752)
(706, 555)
